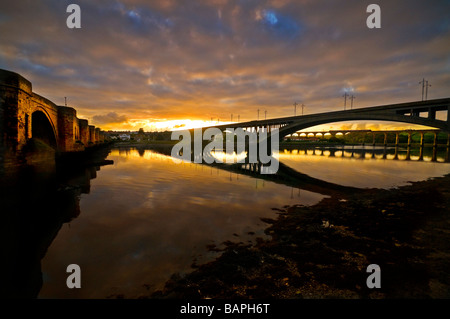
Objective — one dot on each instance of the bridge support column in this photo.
(385, 139)
(408, 153)
(91, 134)
(435, 140)
(332, 152)
(434, 157)
(431, 114)
(422, 139)
(68, 128)
(84, 132)
(409, 138)
(397, 138)
(15, 105)
(97, 135)
(448, 116)
(396, 153)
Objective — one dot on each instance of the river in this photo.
(145, 217)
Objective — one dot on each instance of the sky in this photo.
(160, 64)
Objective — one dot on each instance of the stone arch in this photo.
(305, 123)
(42, 128)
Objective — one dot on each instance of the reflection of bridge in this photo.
(25, 115)
(35, 204)
(285, 175)
(407, 153)
(412, 112)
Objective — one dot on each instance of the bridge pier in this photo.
(448, 116)
(92, 139)
(396, 153)
(332, 152)
(84, 132)
(408, 153)
(431, 114)
(68, 130)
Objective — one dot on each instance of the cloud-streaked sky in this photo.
(137, 62)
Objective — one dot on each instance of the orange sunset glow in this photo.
(164, 65)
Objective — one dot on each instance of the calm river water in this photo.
(145, 218)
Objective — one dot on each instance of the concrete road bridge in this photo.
(423, 113)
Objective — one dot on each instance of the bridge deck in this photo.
(398, 108)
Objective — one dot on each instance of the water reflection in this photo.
(146, 218)
(35, 203)
(408, 153)
(368, 167)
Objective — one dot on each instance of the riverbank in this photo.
(322, 251)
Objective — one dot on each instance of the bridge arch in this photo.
(42, 128)
(302, 124)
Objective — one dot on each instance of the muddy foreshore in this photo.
(323, 251)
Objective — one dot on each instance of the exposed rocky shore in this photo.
(323, 251)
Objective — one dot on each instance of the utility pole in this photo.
(345, 100)
(258, 114)
(65, 101)
(423, 86)
(231, 117)
(426, 90)
(303, 105)
(265, 114)
(295, 109)
(351, 98)
(239, 118)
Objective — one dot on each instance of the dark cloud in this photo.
(210, 58)
(110, 118)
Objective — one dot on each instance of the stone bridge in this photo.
(25, 115)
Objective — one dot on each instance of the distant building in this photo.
(124, 137)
